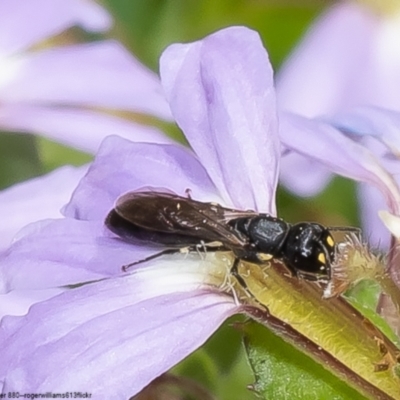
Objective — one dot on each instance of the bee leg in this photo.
(188, 193)
(238, 277)
(243, 284)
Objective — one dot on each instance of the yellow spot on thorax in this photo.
(329, 241)
(321, 258)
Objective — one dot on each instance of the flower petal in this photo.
(36, 199)
(19, 301)
(121, 166)
(221, 94)
(327, 71)
(385, 55)
(107, 75)
(383, 125)
(120, 334)
(54, 253)
(302, 175)
(81, 129)
(371, 203)
(23, 23)
(339, 153)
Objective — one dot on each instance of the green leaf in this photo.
(18, 158)
(283, 372)
(55, 155)
(364, 297)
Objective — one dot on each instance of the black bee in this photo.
(307, 249)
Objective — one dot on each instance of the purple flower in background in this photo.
(58, 92)
(124, 330)
(347, 71)
(349, 57)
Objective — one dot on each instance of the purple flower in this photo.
(28, 202)
(123, 330)
(58, 92)
(36, 199)
(344, 69)
(121, 323)
(349, 57)
(379, 130)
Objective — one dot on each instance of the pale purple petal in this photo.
(54, 253)
(78, 128)
(383, 125)
(18, 302)
(36, 199)
(385, 54)
(100, 74)
(119, 334)
(221, 94)
(302, 175)
(24, 23)
(121, 166)
(325, 144)
(329, 71)
(365, 124)
(371, 202)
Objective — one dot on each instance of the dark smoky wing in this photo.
(147, 209)
(136, 234)
(222, 214)
(168, 213)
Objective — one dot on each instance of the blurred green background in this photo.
(146, 27)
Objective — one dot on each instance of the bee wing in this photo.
(169, 213)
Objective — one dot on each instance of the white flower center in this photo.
(182, 272)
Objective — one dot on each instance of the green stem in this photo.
(332, 324)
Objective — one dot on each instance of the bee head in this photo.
(309, 251)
